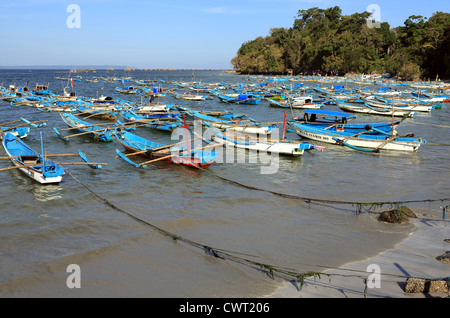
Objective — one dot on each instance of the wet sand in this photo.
(413, 257)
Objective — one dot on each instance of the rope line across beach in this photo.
(281, 272)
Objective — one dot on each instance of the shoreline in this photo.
(415, 256)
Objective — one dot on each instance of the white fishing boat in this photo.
(332, 127)
(391, 104)
(366, 109)
(282, 147)
(192, 97)
(299, 102)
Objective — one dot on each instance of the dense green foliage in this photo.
(323, 41)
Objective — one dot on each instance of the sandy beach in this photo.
(413, 257)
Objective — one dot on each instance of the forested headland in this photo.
(325, 42)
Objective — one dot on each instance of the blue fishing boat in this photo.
(18, 130)
(333, 127)
(137, 145)
(126, 90)
(21, 132)
(27, 160)
(239, 99)
(158, 120)
(248, 127)
(100, 133)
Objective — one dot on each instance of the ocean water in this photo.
(44, 229)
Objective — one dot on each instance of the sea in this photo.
(104, 232)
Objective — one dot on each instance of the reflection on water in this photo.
(47, 192)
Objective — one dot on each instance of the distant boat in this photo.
(193, 97)
(367, 109)
(249, 127)
(238, 99)
(299, 102)
(390, 104)
(126, 90)
(158, 120)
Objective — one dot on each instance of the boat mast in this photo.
(42, 154)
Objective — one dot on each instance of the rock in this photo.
(399, 215)
(407, 211)
(447, 240)
(426, 286)
(444, 258)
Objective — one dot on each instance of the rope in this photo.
(358, 204)
(272, 271)
(436, 125)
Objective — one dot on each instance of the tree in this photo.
(326, 41)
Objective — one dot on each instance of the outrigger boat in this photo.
(248, 127)
(98, 132)
(239, 99)
(389, 104)
(332, 127)
(19, 130)
(367, 109)
(303, 102)
(137, 145)
(160, 120)
(187, 96)
(126, 90)
(282, 147)
(38, 166)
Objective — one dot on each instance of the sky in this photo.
(190, 34)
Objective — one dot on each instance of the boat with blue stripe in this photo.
(333, 127)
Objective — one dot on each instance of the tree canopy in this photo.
(323, 41)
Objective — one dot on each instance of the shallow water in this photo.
(43, 229)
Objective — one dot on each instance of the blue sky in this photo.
(161, 34)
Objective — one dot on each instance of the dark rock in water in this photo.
(399, 215)
(425, 286)
(447, 240)
(444, 258)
